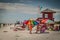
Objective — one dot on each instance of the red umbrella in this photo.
(44, 20)
(26, 22)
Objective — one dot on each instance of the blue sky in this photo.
(19, 10)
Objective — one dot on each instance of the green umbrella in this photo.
(49, 21)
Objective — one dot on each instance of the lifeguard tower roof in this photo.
(48, 10)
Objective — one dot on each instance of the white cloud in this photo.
(18, 7)
(57, 14)
(57, 10)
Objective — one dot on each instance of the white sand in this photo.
(24, 35)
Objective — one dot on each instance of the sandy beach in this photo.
(24, 35)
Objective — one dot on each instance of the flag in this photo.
(39, 9)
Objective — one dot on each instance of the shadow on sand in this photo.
(41, 33)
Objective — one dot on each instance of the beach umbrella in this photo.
(44, 20)
(49, 21)
(26, 22)
(33, 22)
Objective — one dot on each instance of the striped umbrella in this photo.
(28, 22)
(47, 21)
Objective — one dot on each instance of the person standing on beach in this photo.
(30, 28)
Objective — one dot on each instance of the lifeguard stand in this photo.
(48, 14)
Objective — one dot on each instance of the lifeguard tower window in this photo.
(41, 16)
(46, 15)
